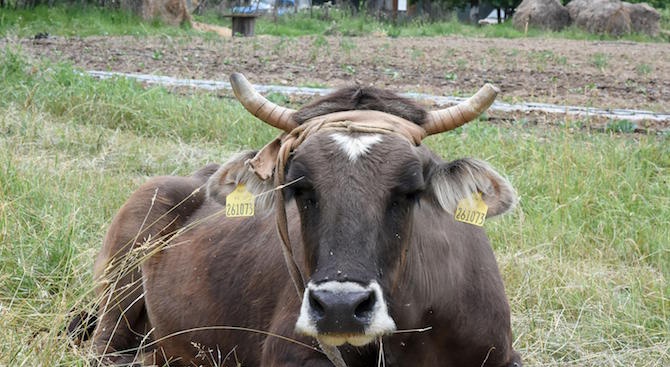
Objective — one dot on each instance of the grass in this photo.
(599, 60)
(90, 20)
(340, 23)
(79, 21)
(585, 256)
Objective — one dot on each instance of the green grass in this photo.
(585, 256)
(80, 21)
(90, 20)
(665, 19)
(340, 23)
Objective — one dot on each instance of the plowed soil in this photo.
(566, 72)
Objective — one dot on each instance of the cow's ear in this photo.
(460, 179)
(234, 172)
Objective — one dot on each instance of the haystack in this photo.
(543, 14)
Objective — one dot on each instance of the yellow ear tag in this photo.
(472, 210)
(240, 203)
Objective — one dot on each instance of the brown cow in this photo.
(390, 275)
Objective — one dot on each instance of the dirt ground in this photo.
(595, 74)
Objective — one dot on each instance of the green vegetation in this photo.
(621, 126)
(341, 23)
(599, 60)
(665, 19)
(585, 256)
(643, 69)
(658, 4)
(70, 20)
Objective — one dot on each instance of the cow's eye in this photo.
(410, 186)
(304, 194)
(412, 196)
(300, 191)
(309, 202)
(402, 199)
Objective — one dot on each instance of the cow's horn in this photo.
(269, 112)
(450, 118)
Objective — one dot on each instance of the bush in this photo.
(658, 4)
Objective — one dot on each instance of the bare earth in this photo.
(565, 72)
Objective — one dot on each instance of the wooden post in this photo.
(395, 12)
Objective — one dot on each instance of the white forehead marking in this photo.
(355, 146)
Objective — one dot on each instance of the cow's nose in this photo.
(341, 312)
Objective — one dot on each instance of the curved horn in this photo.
(450, 118)
(259, 106)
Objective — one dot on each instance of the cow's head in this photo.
(358, 173)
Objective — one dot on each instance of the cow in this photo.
(354, 253)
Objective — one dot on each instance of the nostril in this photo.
(366, 306)
(317, 308)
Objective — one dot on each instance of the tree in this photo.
(507, 5)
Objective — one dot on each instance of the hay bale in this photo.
(172, 12)
(644, 19)
(601, 16)
(544, 14)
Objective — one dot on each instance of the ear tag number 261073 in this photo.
(240, 202)
(472, 210)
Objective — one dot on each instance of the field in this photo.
(585, 256)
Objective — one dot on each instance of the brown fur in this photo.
(155, 211)
(349, 221)
(363, 98)
(235, 172)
